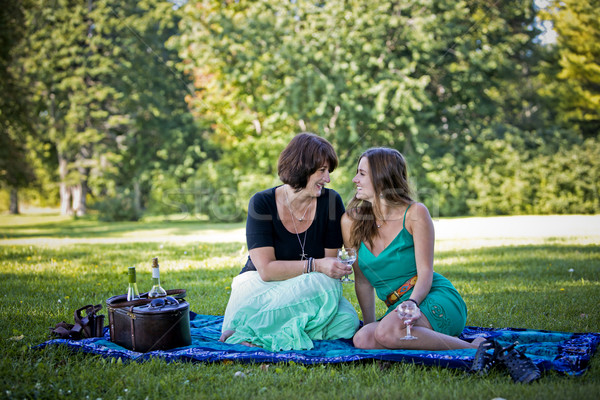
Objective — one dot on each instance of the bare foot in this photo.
(249, 344)
(225, 335)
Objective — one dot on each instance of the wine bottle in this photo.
(132, 291)
(157, 290)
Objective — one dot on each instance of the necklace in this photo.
(301, 243)
(385, 219)
(289, 205)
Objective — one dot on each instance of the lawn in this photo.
(52, 265)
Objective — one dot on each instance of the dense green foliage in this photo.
(165, 108)
(577, 89)
(109, 100)
(550, 284)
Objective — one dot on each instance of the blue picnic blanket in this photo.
(568, 353)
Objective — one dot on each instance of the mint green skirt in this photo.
(289, 314)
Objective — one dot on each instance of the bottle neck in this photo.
(155, 276)
(132, 291)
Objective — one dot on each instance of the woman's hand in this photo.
(412, 317)
(332, 267)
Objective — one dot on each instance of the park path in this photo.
(471, 232)
(477, 232)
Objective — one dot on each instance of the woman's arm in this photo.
(365, 295)
(420, 225)
(363, 288)
(271, 269)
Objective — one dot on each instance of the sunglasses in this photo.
(163, 301)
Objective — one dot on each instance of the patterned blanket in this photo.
(568, 353)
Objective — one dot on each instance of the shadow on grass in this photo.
(90, 228)
(553, 287)
(535, 262)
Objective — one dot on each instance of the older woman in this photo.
(289, 292)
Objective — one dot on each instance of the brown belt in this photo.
(393, 297)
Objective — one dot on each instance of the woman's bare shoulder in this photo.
(417, 214)
(346, 220)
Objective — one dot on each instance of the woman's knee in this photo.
(359, 340)
(363, 339)
(386, 336)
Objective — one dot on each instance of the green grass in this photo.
(528, 286)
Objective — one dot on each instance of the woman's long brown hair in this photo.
(387, 170)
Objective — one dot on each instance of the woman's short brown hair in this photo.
(302, 157)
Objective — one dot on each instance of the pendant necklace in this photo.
(301, 243)
(290, 208)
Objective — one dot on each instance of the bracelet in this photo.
(414, 301)
(311, 264)
(305, 269)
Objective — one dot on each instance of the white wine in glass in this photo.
(408, 309)
(347, 256)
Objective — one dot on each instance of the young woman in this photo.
(394, 236)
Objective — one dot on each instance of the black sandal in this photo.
(520, 368)
(484, 361)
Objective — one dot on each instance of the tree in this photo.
(15, 168)
(70, 61)
(265, 70)
(434, 78)
(482, 90)
(109, 99)
(575, 85)
(155, 133)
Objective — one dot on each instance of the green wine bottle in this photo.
(132, 291)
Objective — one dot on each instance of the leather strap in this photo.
(177, 293)
(132, 324)
(393, 297)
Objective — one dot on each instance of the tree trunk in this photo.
(79, 194)
(65, 190)
(14, 201)
(137, 198)
(80, 190)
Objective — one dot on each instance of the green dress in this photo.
(444, 307)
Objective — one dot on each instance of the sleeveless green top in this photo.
(443, 306)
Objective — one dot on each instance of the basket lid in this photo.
(161, 305)
(120, 300)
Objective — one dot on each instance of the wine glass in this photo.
(408, 309)
(347, 256)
